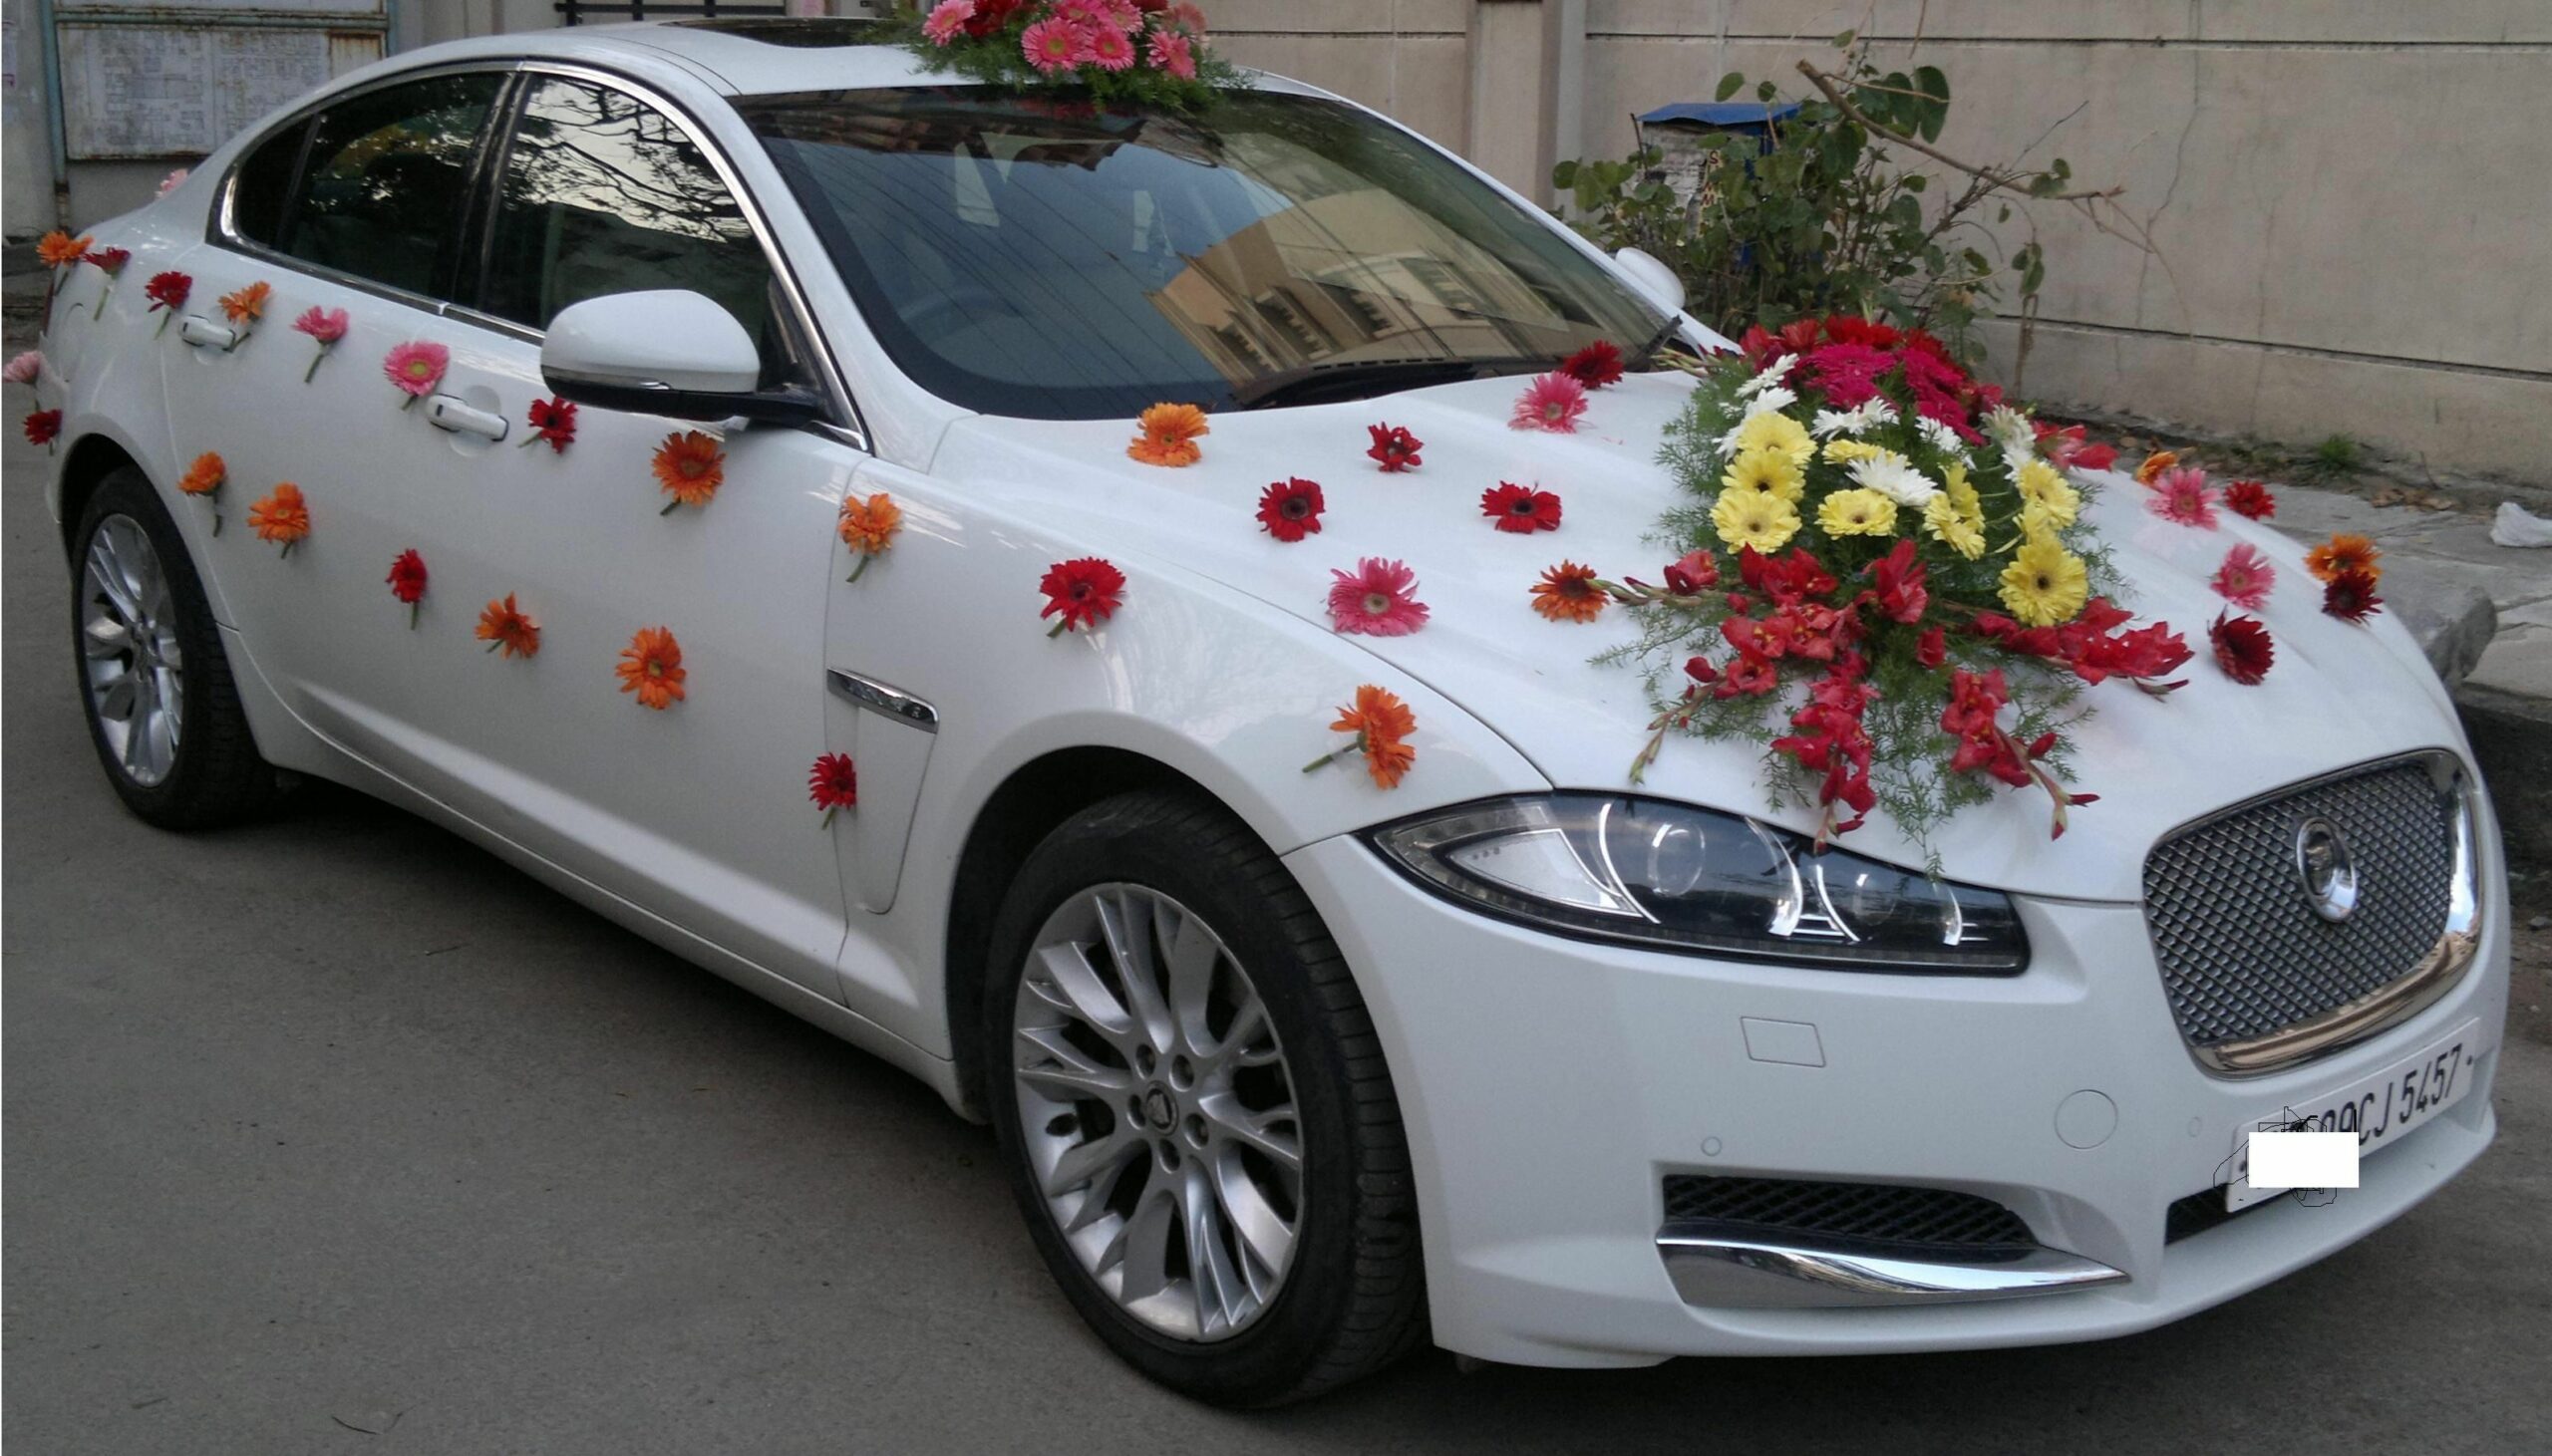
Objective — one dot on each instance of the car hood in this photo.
(2338, 695)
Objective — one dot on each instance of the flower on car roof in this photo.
(1393, 448)
(1168, 435)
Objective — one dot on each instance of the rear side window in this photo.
(602, 194)
(387, 180)
(263, 186)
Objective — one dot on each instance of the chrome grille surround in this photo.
(2256, 979)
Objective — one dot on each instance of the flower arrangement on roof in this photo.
(1889, 563)
(1139, 52)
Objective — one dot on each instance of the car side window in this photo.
(263, 185)
(387, 179)
(601, 193)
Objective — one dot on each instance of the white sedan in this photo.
(502, 431)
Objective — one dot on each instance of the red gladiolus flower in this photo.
(43, 428)
(2349, 596)
(554, 421)
(1395, 447)
(1932, 649)
(1084, 592)
(1748, 676)
(408, 582)
(1595, 366)
(2250, 499)
(833, 783)
(1290, 509)
(1692, 574)
(2243, 648)
(1520, 509)
(1897, 581)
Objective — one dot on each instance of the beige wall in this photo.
(2348, 197)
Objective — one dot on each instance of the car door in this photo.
(697, 811)
(353, 210)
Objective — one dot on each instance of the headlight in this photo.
(1649, 873)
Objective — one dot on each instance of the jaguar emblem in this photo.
(2322, 862)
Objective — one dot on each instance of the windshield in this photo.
(1029, 255)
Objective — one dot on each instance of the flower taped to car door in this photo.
(1911, 601)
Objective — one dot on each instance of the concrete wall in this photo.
(2348, 196)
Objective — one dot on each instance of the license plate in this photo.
(2380, 1109)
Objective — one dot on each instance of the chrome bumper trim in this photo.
(1725, 1267)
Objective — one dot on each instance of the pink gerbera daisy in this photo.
(1377, 599)
(1054, 43)
(1551, 402)
(1106, 47)
(1172, 52)
(947, 21)
(2245, 578)
(2182, 495)
(415, 366)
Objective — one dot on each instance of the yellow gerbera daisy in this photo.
(1845, 451)
(2047, 502)
(1764, 472)
(2044, 584)
(1775, 431)
(1862, 512)
(1953, 527)
(1757, 519)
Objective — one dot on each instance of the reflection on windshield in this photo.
(1025, 256)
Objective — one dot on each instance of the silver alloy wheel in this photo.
(130, 661)
(1157, 1111)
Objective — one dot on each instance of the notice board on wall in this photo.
(138, 90)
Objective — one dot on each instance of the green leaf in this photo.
(1928, 81)
(1564, 175)
(1728, 84)
(1844, 40)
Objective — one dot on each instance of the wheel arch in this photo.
(1031, 803)
(90, 461)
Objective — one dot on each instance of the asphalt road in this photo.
(333, 1135)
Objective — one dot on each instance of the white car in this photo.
(1291, 1072)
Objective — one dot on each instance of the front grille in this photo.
(2242, 952)
(2202, 1211)
(1877, 1212)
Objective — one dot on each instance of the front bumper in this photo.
(1550, 1086)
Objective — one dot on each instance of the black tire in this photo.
(214, 776)
(1352, 1298)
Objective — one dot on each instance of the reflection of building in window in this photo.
(1355, 275)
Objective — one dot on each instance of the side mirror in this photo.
(1652, 279)
(665, 352)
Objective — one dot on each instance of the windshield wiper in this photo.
(1363, 378)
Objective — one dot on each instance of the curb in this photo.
(2512, 740)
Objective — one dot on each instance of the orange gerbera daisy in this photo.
(282, 517)
(2343, 554)
(1169, 436)
(651, 666)
(59, 249)
(1569, 592)
(246, 305)
(868, 526)
(2154, 464)
(1381, 724)
(691, 468)
(204, 476)
(502, 625)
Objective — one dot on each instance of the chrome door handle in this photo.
(204, 333)
(448, 411)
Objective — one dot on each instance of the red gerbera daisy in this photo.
(1520, 509)
(2250, 499)
(833, 783)
(43, 427)
(2349, 596)
(408, 582)
(1595, 366)
(1086, 592)
(1395, 447)
(554, 421)
(2243, 647)
(1290, 509)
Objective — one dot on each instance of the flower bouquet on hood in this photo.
(1143, 52)
(1887, 578)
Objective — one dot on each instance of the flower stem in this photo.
(287, 550)
(314, 363)
(1058, 628)
(1324, 760)
(854, 571)
(671, 507)
(827, 822)
(164, 316)
(216, 522)
(411, 616)
(410, 402)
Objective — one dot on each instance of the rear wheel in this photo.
(1194, 1110)
(163, 712)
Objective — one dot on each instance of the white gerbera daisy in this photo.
(1770, 375)
(1869, 414)
(2011, 430)
(1891, 475)
(1943, 438)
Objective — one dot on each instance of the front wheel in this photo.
(1194, 1112)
